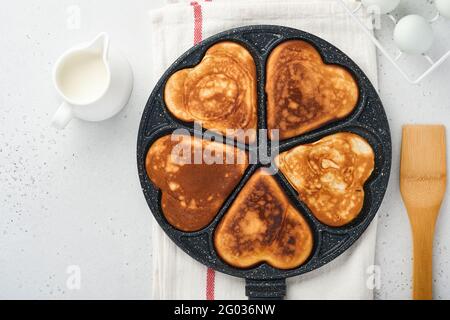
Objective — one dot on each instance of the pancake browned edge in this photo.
(304, 93)
(329, 176)
(192, 194)
(220, 92)
(262, 226)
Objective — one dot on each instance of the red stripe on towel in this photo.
(198, 37)
(210, 284)
(198, 22)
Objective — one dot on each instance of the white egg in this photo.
(413, 34)
(385, 6)
(444, 7)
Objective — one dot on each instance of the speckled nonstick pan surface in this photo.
(368, 120)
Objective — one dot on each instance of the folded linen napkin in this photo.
(178, 26)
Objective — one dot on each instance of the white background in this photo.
(73, 197)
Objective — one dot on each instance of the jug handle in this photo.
(63, 116)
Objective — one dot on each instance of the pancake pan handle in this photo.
(265, 289)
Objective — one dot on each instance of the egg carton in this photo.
(414, 60)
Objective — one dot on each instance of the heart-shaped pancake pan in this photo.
(267, 228)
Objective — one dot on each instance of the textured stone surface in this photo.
(52, 183)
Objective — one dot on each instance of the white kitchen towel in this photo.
(175, 28)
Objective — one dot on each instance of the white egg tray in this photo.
(379, 28)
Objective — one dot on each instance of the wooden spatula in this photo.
(422, 184)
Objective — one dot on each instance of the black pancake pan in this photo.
(368, 120)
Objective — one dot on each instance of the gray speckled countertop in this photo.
(66, 198)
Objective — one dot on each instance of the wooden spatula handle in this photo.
(423, 233)
(423, 178)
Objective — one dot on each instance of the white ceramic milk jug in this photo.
(94, 81)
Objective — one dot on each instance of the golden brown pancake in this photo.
(220, 92)
(192, 194)
(329, 176)
(304, 93)
(262, 226)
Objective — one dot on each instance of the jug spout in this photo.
(100, 45)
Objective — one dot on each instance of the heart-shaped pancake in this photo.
(329, 175)
(304, 93)
(220, 92)
(263, 226)
(193, 179)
